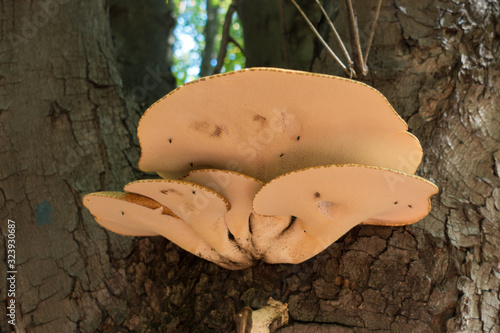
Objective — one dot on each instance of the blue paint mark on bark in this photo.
(43, 211)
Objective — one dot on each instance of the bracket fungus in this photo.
(268, 165)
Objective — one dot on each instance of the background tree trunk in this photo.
(209, 33)
(68, 128)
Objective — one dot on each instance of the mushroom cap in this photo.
(330, 200)
(239, 190)
(193, 203)
(111, 210)
(135, 215)
(264, 122)
(199, 206)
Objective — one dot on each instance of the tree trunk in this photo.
(68, 128)
(209, 33)
(143, 40)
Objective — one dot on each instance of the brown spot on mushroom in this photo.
(298, 138)
(317, 195)
(194, 192)
(201, 126)
(410, 206)
(395, 202)
(326, 208)
(191, 164)
(170, 140)
(171, 191)
(123, 213)
(282, 155)
(260, 119)
(217, 131)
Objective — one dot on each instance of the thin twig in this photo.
(232, 40)
(354, 30)
(284, 38)
(225, 35)
(322, 40)
(337, 36)
(372, 33)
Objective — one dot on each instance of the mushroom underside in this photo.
(287, 220)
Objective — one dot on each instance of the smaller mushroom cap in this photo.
(191, 202)
(238, 189)
(135, 215)
(330, 200)
(111, 210)
(201, 207)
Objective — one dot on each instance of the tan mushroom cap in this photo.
(265, 122)
(113, 217)
(330, 200)
(201, 207)
(191, 202)
(134, 215)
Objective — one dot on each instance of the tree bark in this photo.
(68, 128)
(264, 35)
(209, 33)
(143, 38)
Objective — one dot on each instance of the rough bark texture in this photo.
(67, 129)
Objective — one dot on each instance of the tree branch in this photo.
(232, 40)
(337, 36)
(354, 30)
(372, 33)
(348, 72)
(225, 34)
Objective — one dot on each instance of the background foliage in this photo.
(191, 36)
